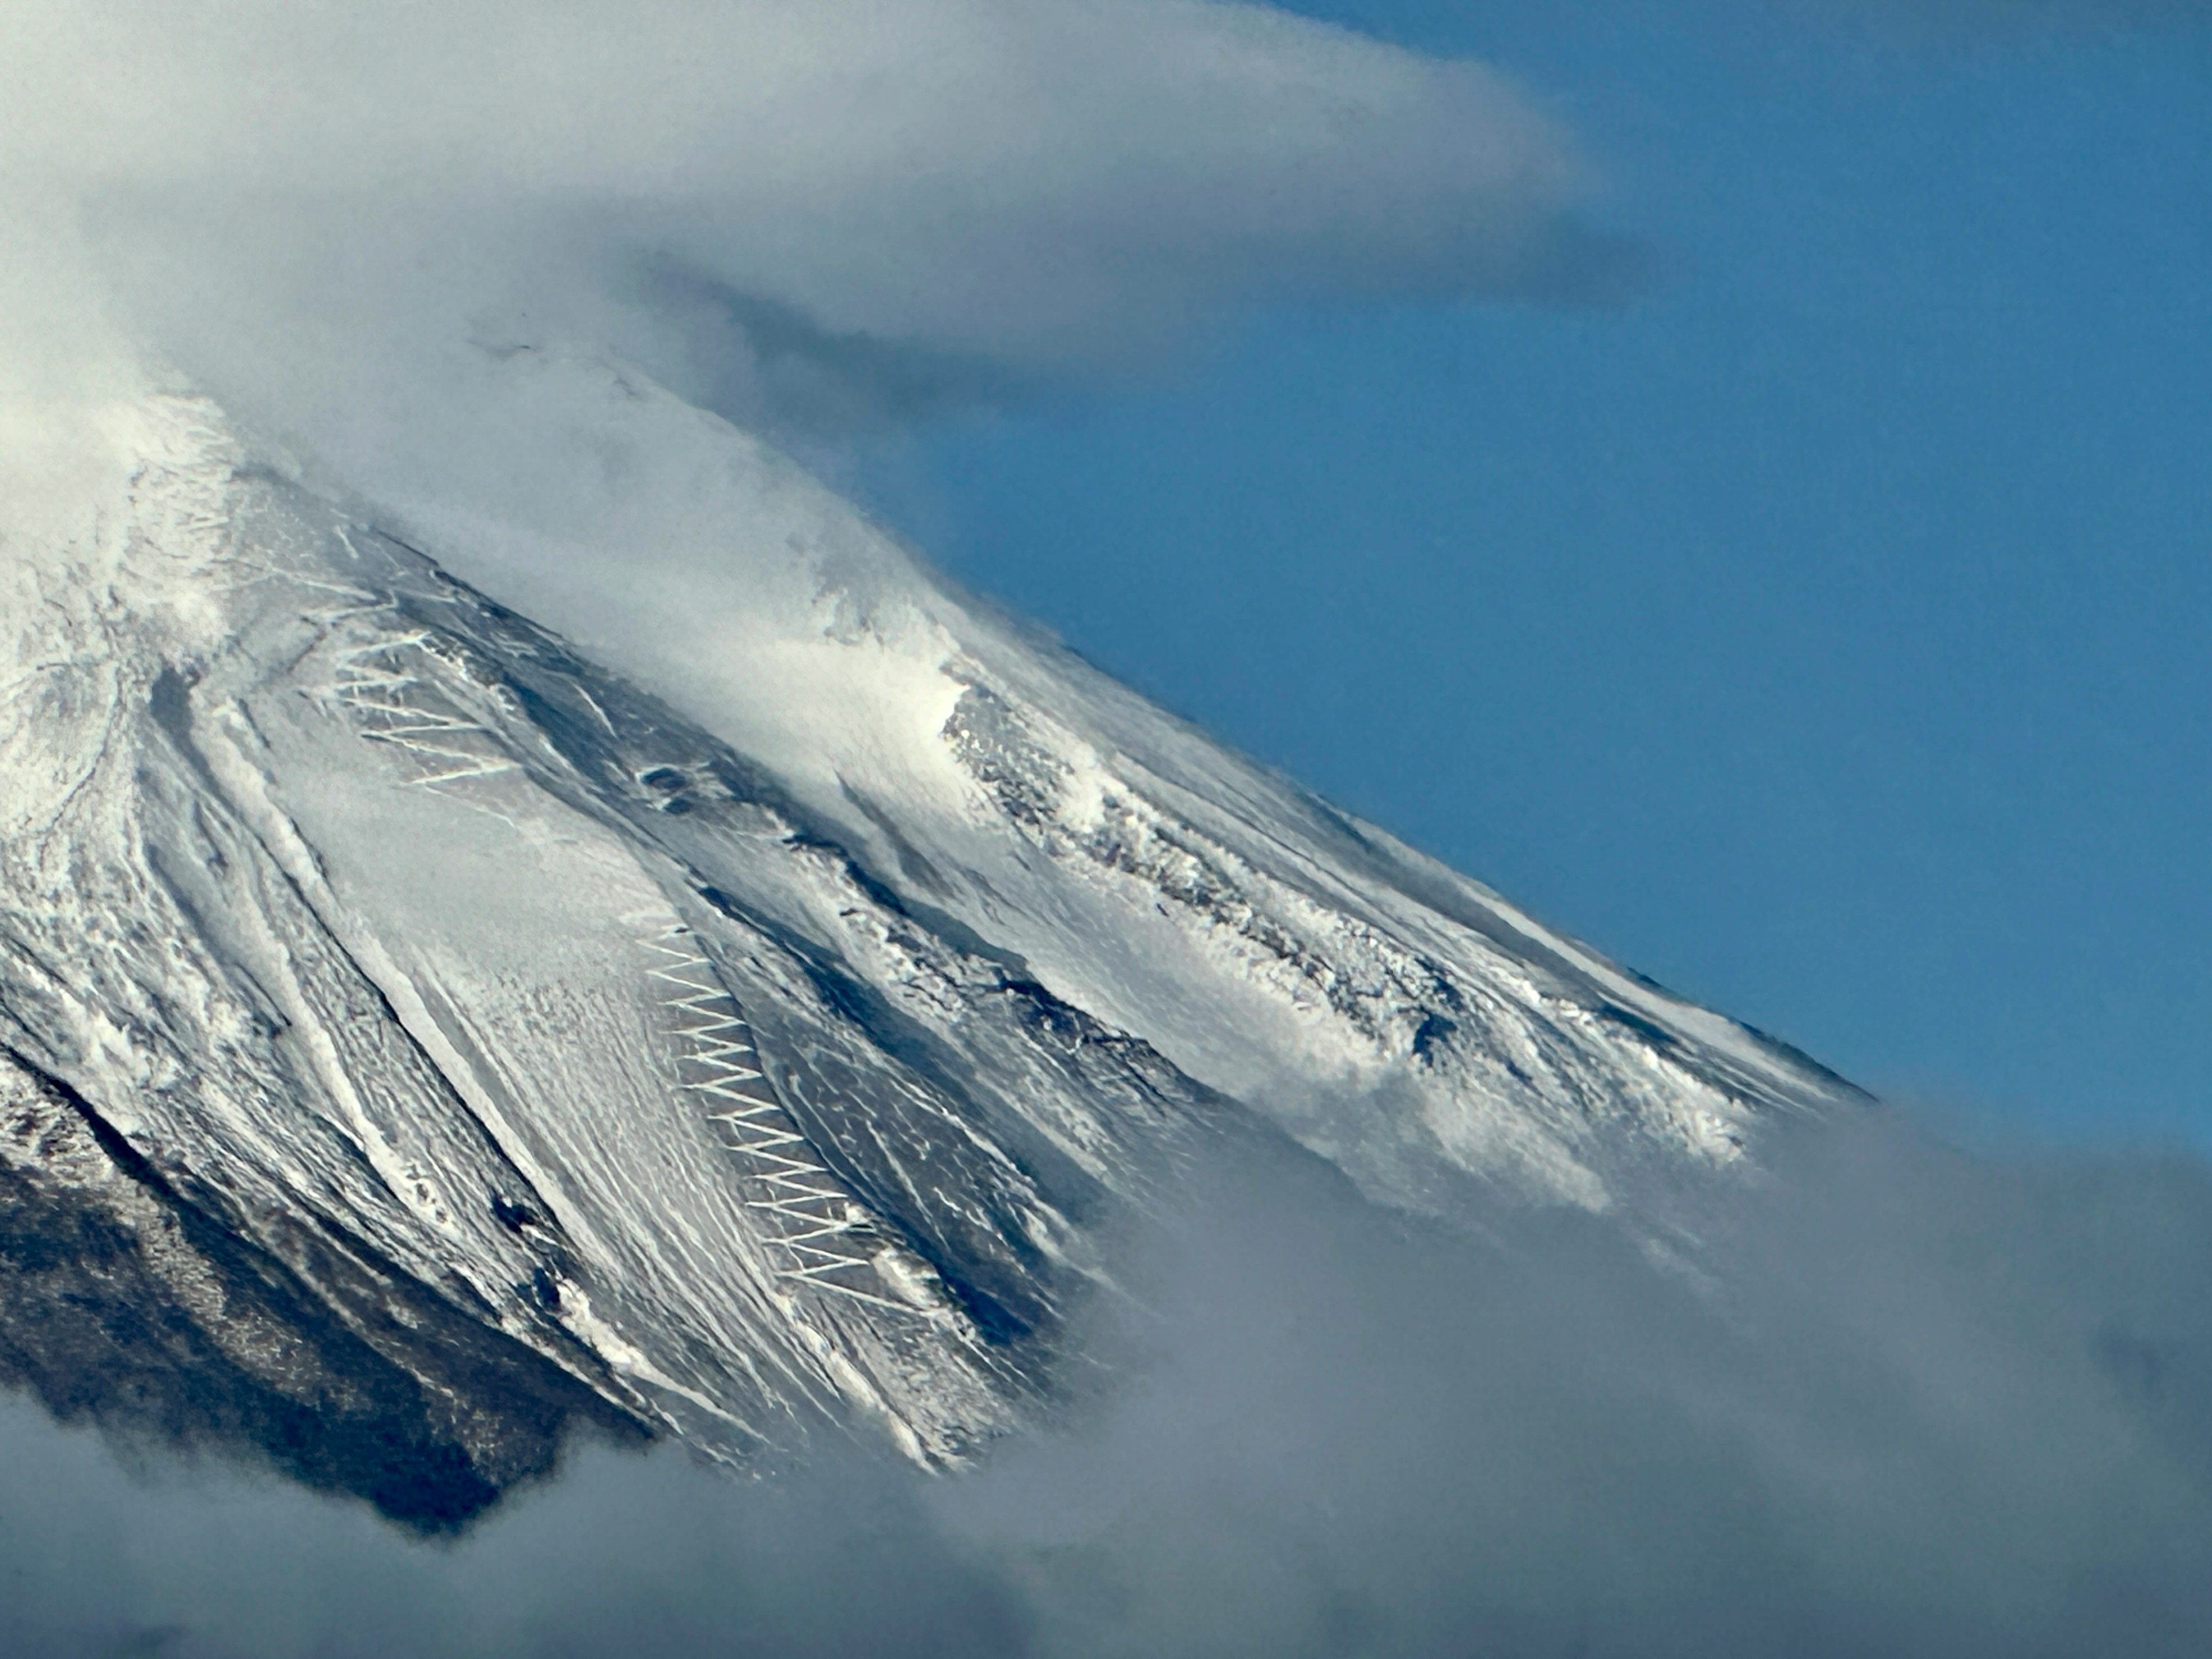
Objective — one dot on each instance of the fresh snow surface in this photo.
(743, 990)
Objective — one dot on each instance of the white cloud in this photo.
(1036, 185)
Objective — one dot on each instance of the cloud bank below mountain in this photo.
(1908, 1403)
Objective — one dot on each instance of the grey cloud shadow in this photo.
(769, 365)
(764, 363)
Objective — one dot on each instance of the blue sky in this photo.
(1824, 633)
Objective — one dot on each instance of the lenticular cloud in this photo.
(1036, 183)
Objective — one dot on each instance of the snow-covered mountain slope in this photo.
(747, 1004)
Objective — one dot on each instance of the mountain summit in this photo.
(424, 1027)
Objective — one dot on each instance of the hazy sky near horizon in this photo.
(1825, 631)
